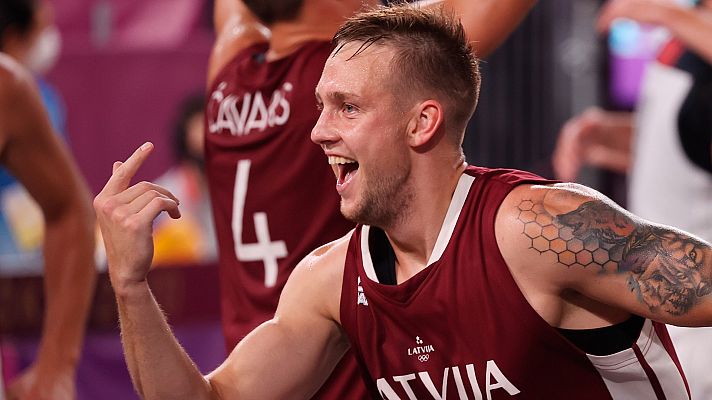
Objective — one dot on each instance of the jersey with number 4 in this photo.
(272, 190)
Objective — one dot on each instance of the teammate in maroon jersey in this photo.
(270, 189)
(460, 281)
(271, 192)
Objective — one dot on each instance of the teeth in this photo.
(340, 160)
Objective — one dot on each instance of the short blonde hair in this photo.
(432, 56)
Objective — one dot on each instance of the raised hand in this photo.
(570, 152)
(125, 215)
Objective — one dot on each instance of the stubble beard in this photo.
(385, 200)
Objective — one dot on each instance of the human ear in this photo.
(425, 124)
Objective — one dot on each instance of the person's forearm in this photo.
(618, 127)
(159, 367)
(609, 145)
(70, 275)
(693, 28)
(489, 22)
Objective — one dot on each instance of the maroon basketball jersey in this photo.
(462, 329)
(271, 188)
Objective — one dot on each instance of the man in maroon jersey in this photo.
(459, 282)
(271, 192)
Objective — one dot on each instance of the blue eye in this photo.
(349, 108)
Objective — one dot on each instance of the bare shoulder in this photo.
(555, 194)
(333, 252)
(580, 215)
(552, 232)
(529, 203)
(544, 218)
(318, 277)
(19, 101)
(325, 263)
(13, 77)
(238, 32)
(9, 68)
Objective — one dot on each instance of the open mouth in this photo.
(344, 169)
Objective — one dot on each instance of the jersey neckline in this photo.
(446, 230)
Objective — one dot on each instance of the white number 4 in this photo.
(265, 249)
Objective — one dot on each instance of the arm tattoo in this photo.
(664, 268)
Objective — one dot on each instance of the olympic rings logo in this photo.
(423, 357)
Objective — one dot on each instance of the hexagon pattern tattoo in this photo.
(663, 267)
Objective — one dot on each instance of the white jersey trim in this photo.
(625, 376)
(448, 227)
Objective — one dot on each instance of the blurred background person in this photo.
(113, 51)
(63, 224)
(665, 146)
(36, 157)
(191, 239)
(668, 138)
(28, 35)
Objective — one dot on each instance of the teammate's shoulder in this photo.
(236, 36)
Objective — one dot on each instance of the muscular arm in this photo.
(692, 26)
(289, 356)
(39, 160)
(573, 238)
(488, 22)
(286, 357)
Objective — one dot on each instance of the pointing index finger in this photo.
(122, 174)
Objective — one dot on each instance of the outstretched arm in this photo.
(287, 357)
(40, 161)
(574, 238)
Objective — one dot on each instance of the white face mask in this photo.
(45, 51)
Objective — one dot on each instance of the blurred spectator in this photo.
(63, 222)
(190, 239)
(672, 128)
(42, 164)
(666, 146)
(27, 34)
(30, 36)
